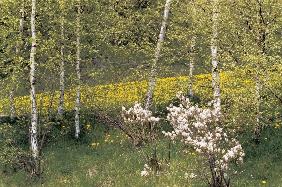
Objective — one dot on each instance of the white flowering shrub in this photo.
(146, 171)
(139, 123)
(200, 128)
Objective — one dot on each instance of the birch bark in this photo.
(261, 44)
(191, 66)
(62, 65)
(214, 55)
(12, 102)
(258, 110)
(77, 105)
(153, 74)
(192, 53)
(34, 122)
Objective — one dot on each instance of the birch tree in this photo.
(11, 98)
(252, 43)
(34, 120)
(192, 54)
(257, 42)
(78, 49)
(261, 45)
(153, 74)
(62, 64)
(191, 66)
(214, 56)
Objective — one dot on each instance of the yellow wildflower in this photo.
(276, 126)
(94, 144)
(88, 126)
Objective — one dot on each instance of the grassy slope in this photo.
(68, 163)
(120, 94)
(114, 162)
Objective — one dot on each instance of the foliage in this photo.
(118, 38)
(237, 95)
(200, 129)
(140, 124)
(114, 162)
(13, 145)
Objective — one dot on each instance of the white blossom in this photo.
(139, 122)
(198, 127)
(137, 114)
(146, 171)
(192, 176)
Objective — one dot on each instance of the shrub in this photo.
(140, 123)
(200, 128)
(13, 144)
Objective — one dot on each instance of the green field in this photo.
(115, 162)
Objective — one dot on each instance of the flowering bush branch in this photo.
(140, 123)
(199, 128)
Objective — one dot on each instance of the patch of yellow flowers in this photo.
(94, 145)
(125, 94)
(108, 139)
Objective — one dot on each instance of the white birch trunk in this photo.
(34, 123)
(191, 66)
(261, 43)
(215, 70)
(21, 28)
(153, 74)
(77, 103)
(62, 66)
(258, 103)
(12, 103)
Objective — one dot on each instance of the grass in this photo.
(108, 159)
(114, 162)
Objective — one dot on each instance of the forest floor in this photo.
(108, 159)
